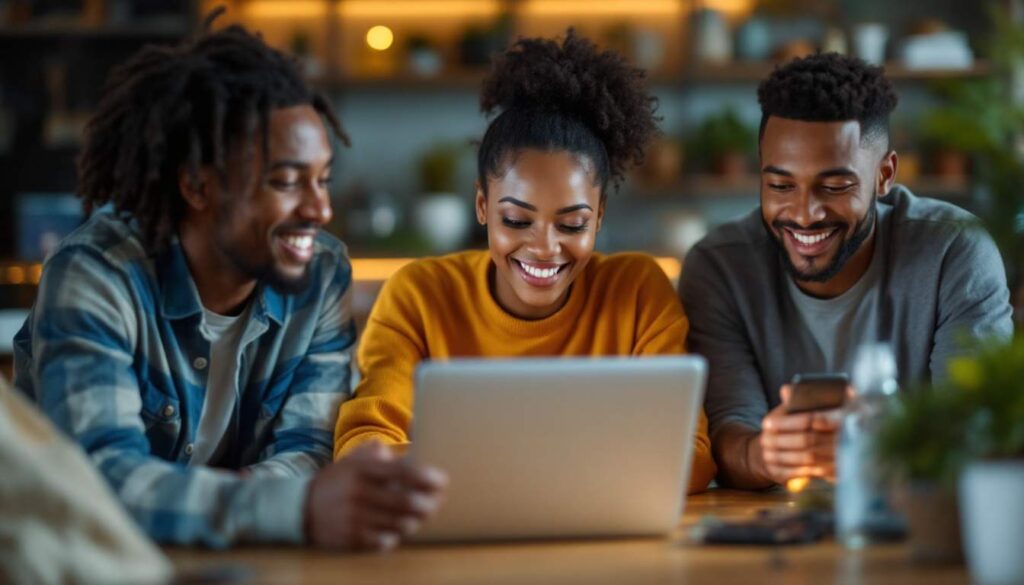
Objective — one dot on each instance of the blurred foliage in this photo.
(977, 412)
(972, 119)
(721, 134)
(438, 166)
(985, 118)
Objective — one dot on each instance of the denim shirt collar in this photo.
(179, 297)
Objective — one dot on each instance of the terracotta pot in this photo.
(730, 165)
(933, 523)
(663, 164)
(951, 163)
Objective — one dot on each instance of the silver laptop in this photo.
(560, 447)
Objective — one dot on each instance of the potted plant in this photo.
(981, 403)
(992, 483)
(949, 134)
(723, 144)
(959, 447)
(920, 449)
(424, 58)
(478, 43)
(441, 215)
(301, 45)
(663, 164)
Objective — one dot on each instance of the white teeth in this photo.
(539, 272)
(811, 239)
(300, 242)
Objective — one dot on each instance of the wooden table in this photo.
(673, 560)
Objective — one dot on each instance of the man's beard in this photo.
(267, 272)
(846, 251)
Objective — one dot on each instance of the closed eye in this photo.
(779, 187)
(837, 188)
(574, 229)
(515, 223)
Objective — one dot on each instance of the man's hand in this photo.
(799, 445)
(370, 500)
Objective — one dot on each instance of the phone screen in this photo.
(812, 392)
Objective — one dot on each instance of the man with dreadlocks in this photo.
(836, 256)
(195, 340)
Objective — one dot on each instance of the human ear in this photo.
(481, 205)
(886, 173)
(194, 187)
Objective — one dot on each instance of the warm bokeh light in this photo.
(382, 268)
(797, 484)
(376, 268)
(380, 38)
(603, 8)
(731, 8)
(418, 8)
(671, 267)
(269, 9)
(15, 275)
(363, 269)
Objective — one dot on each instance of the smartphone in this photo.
(768, 527)
(810, 392)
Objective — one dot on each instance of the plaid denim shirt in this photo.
(112, 352)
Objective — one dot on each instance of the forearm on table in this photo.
(356, 437)
(202, 505)
(737, 450)
(381, 410)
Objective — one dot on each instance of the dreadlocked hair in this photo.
(567, 96)
(184, 107)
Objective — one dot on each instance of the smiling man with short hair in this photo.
(836, 256)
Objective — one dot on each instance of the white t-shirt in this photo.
(217, 423)
(835, 328)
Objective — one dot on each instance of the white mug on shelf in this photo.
(869, 41)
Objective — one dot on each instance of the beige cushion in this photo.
(61, 523)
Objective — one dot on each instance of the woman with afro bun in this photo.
(570, 120)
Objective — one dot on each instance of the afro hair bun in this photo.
(575, 78)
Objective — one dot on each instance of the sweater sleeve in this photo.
(391, 347)
(661, 330)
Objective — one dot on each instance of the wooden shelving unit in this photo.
(334, 38)
(739, 73)
(155, 31)
(338, 33)
(747, 72)
(466, 79)
(705, 187)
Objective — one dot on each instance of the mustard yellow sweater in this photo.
(437, 308)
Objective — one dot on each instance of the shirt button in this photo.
(169, 410)
(188, 449)
(199, 363)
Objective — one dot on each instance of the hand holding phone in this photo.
(798, 437)
(813, 392)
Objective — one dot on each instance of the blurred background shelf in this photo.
(464, 80)
(953, 189)
(146, 31)
(745, 72)
(405, 77)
